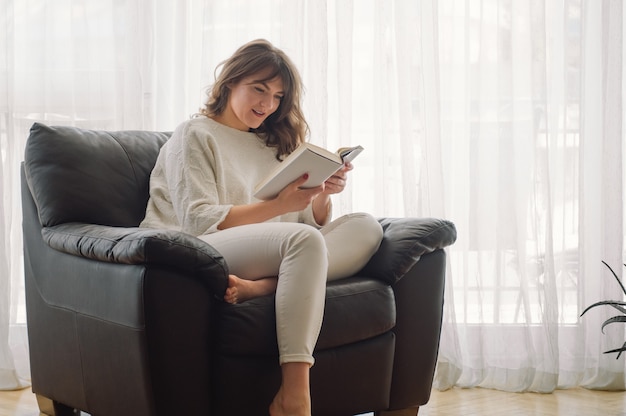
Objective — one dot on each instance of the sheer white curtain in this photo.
(504, 116)
(531, 122)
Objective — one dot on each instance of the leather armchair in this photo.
(130, 321)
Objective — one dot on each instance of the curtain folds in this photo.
(503, 116)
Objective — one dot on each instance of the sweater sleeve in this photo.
(184, 193)
(194, 185)
(306, 216)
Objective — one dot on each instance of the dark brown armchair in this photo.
(129, 321)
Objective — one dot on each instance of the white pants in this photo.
(303, 258)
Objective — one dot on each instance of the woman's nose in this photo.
(268, 104)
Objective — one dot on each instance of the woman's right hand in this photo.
(294, 198)
(290, 199)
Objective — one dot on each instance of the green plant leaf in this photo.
(616, 278)
(613, 320)
(619, 351)
(617, 304)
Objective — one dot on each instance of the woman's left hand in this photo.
(337, 182)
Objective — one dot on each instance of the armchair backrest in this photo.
(97, 177)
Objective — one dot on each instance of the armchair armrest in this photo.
(405, 240)
(142, 246)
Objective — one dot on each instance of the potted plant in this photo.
(617, 304)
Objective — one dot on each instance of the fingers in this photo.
(301, 180)
(296, 198)
(343, 172)
(334, 186)
(306, 191)
(337, 183)
(336, 180)
(308, 194)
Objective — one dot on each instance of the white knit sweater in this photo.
(202, 171)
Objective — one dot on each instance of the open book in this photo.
(318, 162)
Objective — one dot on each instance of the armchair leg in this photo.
(52, 408)
(411, 411)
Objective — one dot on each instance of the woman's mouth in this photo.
(258, 113)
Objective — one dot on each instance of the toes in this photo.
(231, 295)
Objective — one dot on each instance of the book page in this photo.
(349, 153)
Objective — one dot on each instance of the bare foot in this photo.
(289, 405)
(240, 290)
(293, 397)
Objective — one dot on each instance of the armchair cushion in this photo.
(142, 246)
(405, 240)
(356, 309)
(107, 173)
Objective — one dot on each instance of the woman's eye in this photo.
(259, 89)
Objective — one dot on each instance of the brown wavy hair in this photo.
(285, 128)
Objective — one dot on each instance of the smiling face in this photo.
(251, 101)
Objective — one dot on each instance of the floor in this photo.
(484, 402)
(455, 402)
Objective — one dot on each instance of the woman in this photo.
(203, 183)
